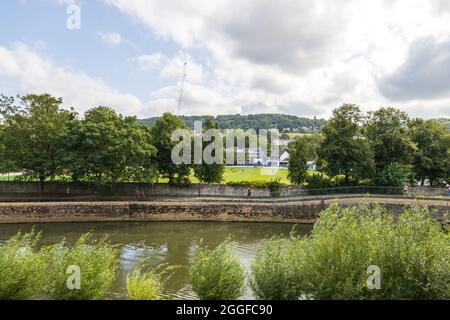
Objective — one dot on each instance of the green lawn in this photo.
(234, 174)
(293, 135)
(255, 174)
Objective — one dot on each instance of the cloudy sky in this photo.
(301, 57)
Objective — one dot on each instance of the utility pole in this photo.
(183, 79)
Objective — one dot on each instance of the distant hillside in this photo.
(256, 121)
(445, 122)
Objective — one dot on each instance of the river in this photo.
(173, 243)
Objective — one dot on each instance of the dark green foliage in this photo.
(298, 164)
(343, 149)
(257, 121)
(161, 132)
(106, 147)
(209, 173)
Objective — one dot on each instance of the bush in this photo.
(413, 255)
(149, 284)
(395, 175)
(274, 185)
(275, 274)
(97, 260)
(20, 267)
(318, 180)
(217, 274)
(332, 262)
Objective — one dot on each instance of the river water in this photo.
(173, 243)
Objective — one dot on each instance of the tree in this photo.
(387, 131)
(298, 164)
(210, 173)
(312, 144)
(431, 159)
(344, 150)
(394, 175)
(107, 147)
(31, 133)
(162, 132)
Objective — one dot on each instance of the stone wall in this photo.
(302, 211)
(128, 189)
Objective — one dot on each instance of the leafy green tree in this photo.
(343, 149)
(432, 157)
(395, 175)
(106, 147)
(31, 133)
(161, 132)
(210, 173)
(312, 144)
(387, 131)
(298, 164)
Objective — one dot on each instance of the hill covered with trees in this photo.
(255, 121)
(445, 122)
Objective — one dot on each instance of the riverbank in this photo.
(301, 210)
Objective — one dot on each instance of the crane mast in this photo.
(183, 80)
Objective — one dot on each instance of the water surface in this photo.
(173, 243)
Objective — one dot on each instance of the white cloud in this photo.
(112, 38)
(38, 74)
(301, 56)
(172, 68)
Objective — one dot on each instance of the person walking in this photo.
(137, 193)
(405, 189)
(249, 193)
(448, 189)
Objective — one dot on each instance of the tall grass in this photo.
(97, 261)
(413, 256)
(148, 284)
(21, 268)
(217, 274)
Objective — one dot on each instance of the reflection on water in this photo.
(173, 243)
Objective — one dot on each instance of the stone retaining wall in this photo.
(303, 212)
(128, 189)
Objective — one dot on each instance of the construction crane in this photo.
(183, 80)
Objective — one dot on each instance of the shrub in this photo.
(149, 284)
(20, 267)
(97, 260)
(413, 255)
(318, 180)
(217, 274)
(395, 175)
(332, 262)
(272, 185)
(274, 272)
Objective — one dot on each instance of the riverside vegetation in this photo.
(381, 148)
(411, 251)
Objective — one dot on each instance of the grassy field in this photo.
(234, 174)
(255, 174)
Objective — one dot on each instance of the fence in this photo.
(200, 190)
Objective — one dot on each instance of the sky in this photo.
(299, 57)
